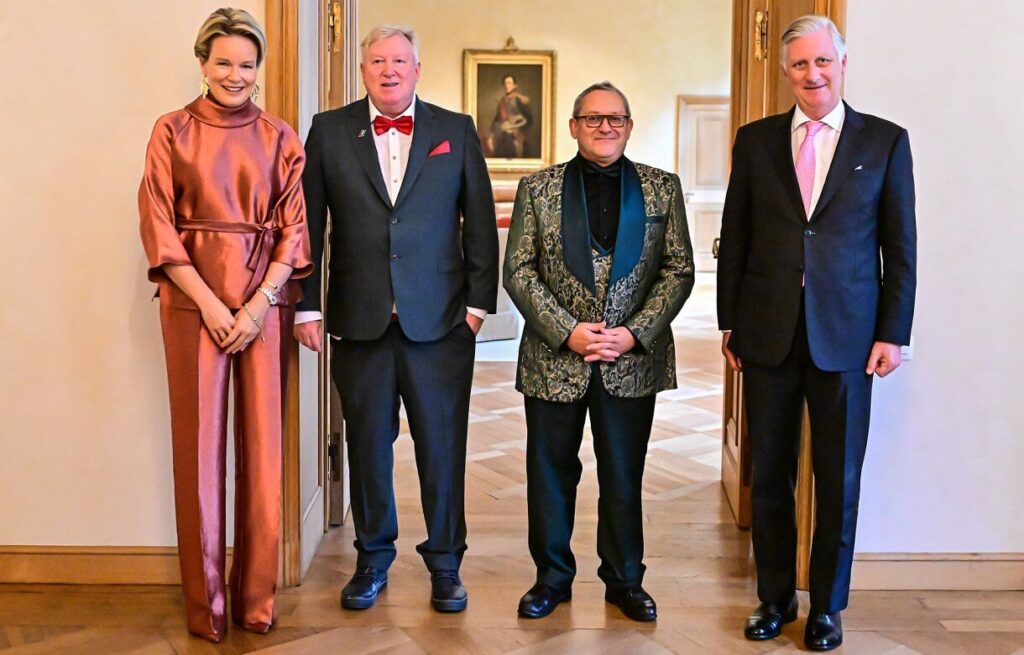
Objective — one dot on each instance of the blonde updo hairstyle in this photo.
(225, 22)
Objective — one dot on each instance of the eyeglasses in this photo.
(594, 121)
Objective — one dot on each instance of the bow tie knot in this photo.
(382, 124)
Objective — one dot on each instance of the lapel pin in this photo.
(362, 133)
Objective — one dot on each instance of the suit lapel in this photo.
(629, 240)
(842, 160)
(575, 226)
(361, 134)
(422, 135)
(782, 156)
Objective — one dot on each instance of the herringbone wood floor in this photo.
(699, 564)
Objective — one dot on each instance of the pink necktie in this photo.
(805, 164)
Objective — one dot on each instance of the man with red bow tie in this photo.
(409, 287)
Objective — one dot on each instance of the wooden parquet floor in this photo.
(699, 565)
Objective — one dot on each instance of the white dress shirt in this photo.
(393, 150)
(824, 144)
(393, 154)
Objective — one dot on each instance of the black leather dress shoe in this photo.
(542, 600)
(634, 602)
(767, 620)
(361, 591)
(446, 592)
(824, 631)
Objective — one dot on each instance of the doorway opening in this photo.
(673, 61)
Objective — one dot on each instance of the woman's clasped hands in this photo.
(234, 332)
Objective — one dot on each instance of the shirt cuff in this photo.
(475, 311)
(307, 317)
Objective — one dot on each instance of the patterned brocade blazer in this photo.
(557, 278)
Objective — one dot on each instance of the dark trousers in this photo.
(433, 381)
(839, 407)
(554, 432)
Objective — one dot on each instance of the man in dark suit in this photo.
(810, 310)
(409, 288)
(599, 262)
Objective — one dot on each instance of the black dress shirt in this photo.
(603, 190)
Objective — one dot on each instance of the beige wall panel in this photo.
(652, 50)
(943, 468)
(85, 434)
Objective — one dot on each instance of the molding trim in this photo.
(939, 571)
(282, 70)
(153, 565)
(282, 60)
(158, 565)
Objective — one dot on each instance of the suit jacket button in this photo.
(394, 221)
(808, 233)
(394, 256)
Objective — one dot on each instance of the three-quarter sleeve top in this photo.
(222, 191)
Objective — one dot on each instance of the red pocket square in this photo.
(442, 148)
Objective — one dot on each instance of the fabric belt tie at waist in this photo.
(259, 259)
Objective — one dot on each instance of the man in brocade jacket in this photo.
(599, 262)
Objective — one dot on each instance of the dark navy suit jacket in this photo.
(415, 252)
(857, 252)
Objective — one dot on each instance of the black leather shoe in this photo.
(824, 631)
(361, 591)
(446, 592)
(634, 602)
(767, 620)
(542, 600)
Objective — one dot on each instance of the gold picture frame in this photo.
(510, 94)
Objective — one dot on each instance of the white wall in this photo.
(85, 454)
(653, 50)
(945, 460)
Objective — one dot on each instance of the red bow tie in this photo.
(382, 124)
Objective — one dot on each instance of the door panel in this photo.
(706, 219)
(338, 87)
(703, 165)
(302, 61)
(311, 453)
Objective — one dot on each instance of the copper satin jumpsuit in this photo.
(222, 191)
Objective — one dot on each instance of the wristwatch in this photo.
(271, 296)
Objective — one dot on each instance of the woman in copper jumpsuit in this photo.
(223, 225)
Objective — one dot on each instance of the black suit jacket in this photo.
(857, 252)
(415, 252)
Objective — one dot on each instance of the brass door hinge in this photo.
(334, 21)
(760, 35)
(334, 456)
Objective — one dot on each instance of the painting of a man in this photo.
(509, 110)
(512, 119)
(510, 95)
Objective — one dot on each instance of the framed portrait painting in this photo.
(510, 95)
